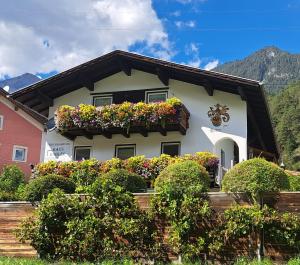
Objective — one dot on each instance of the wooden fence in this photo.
(12, 213)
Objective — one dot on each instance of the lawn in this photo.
(19, 261)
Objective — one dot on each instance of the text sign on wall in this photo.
(58, 151)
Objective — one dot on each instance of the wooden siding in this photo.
(12, 213)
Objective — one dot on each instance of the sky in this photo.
(50, 36)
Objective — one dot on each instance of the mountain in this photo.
(274, 67)
(18, 82)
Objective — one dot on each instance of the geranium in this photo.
(122, 115)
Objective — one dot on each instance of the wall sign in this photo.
(58, 150)
(218, 114)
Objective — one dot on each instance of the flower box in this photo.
(125, 118)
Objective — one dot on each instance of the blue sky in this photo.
(226, 30)
(36, 38)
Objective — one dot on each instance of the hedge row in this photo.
(148, 168)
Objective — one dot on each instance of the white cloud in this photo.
(176, 13)
(195, 62)
(192, 50)
(211, 65)
(44, 36)
(185, 24)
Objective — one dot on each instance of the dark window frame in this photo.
(103, 96)
(170, 143)
(81, 147)
(124, 145)
(160, 91)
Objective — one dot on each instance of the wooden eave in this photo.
(250, 91)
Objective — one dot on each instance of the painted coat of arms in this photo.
(218, 114)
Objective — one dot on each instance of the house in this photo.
(21, 131)
(221, 113)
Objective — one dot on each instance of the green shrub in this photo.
(294, 182)
(182, 176)
(85, 174)
(255, 176)
(39, 188)
(181, 202)
(11, 178)
(129, 181)
(106, 225)
(239, 222)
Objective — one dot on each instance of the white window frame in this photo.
(82, 147)
(151, 92)
(120, 146)
(110, 96)
(15, 147)
(1, 122)
(171, 143)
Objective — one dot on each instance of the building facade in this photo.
(21, 132)
(226, 115)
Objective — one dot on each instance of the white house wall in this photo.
(201, 136)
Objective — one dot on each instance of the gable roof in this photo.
(38, 117)
(40, 95)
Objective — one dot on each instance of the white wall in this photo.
(201, 136)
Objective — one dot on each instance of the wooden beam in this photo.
(144, 132)
(162, 131)
(45, 98)
(182, 130)
(162, 76)
(242, 93)
(89, 85)
(89, 136)
(125, 67)
(69, 136)
(107, 135)
(125, 134)
(209, 88)
(255, 126)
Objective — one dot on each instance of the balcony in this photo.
(125, 119)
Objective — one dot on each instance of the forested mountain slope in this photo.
(274, 67)
(285, 110)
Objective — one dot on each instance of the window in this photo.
(157, 96)
(19, 153)
(222, 158)
(171, 148)
(125, 151)
(102, 100)
(1, 122)
(82, 153)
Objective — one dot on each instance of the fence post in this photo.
(260, 244)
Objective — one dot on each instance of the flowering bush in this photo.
(117, 115)
(148, 168)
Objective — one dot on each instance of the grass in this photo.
(20, 261)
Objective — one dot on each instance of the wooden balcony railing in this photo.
(175, 122)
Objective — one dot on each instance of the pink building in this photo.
(20, 134)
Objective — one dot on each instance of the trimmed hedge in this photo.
(255, 176)
(84, 172)
(129, 181)
(39, 188)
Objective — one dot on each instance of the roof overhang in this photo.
(40, 95)
(17, 105)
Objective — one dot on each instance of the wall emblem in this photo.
(218, 114)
